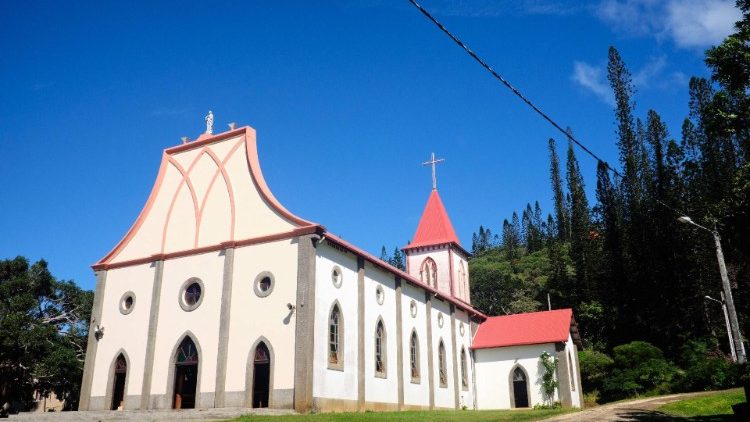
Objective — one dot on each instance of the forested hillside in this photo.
(622, 260)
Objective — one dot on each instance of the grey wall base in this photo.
(280, 398)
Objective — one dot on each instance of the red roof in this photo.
(530, 328)
(435, 227)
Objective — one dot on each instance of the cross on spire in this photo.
(432, 162)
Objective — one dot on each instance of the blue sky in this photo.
(347, 98)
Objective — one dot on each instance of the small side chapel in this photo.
(218, 296)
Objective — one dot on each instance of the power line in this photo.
(511, 87)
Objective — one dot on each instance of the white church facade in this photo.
(218, 296)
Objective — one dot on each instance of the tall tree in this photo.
(44, 323)
(558, 196)
(580, 222)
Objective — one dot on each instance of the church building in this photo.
(218, 296)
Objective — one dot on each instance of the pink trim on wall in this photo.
(204, 141)
(142, 216)
(215, 247)
(185, 181)
(404, 276)
(450, 268)
(228, 184)
(260, 182)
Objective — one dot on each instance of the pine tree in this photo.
(612, 270)
(384, 255)
(580, 222)
(397, 259)
(622, 85)
(557, 193)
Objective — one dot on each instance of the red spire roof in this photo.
(529, 328)
(434, 227)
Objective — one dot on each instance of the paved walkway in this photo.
(193, 415)
(631, 411)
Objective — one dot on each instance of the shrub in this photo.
(705, 367)
(595, 367)
(638, 368)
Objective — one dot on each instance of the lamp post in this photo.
(726, 321)
(733, 323)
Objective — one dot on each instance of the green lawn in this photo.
(719, 404)
(432, 416)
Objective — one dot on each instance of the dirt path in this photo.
(634, 410)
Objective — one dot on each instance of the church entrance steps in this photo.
(194, 415)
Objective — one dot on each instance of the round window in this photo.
(461, 329)
(440, 320)
(413, 308)
(191, 294)
(379, 295)
(336, 276)
(127, 303)
(264, 283)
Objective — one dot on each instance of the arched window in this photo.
(428, 272)
(380, 349)
(464, 370)
(442, 365)
(335, 335)
(414, 357)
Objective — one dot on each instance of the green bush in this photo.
(595, 368)
(638, 368)
(705, 368)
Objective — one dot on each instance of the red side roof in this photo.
(530, 328)
(434, 227)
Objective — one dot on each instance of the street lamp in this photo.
(733, 323)
(726, 320)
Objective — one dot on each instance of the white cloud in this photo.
(652, 75)
(701, 23)
(689, 23)
(653, 68)
(593, 79)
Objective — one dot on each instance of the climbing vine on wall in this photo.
(549, 380)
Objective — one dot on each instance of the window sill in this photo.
(336, 367)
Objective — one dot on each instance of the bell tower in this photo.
(435, 255)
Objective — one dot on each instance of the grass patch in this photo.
(413, 416)
(712, 405)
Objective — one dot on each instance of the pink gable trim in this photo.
(260, 182)
(185, 181)
(256, 174)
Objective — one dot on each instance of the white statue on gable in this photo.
(210, 123)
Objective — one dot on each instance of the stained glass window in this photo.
(192, 294)
(442, 365)
(187, 353)
(261, 353)
(464, 370)
(333, 335)
(414, 355)
(379, 348)
(121, 365)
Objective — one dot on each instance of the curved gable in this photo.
(208, 192)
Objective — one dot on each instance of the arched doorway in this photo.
(118, 384)
(519, 388)
(185, 375)
(261, 375)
